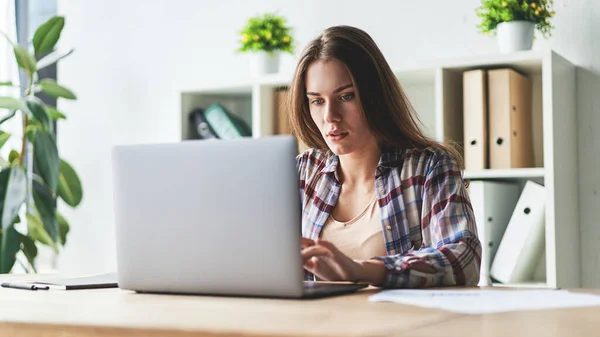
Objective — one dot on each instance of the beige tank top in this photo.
(359, 238)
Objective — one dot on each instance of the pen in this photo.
(24, 286)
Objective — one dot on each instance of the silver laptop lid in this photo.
(209, 216)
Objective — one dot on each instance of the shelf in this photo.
(434, 88)
(235, 100)
(529, 62)
(516, 173)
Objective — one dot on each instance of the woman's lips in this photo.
(336, 136)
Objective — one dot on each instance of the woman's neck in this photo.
(359, 167)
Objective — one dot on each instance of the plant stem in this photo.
(25, 122)
(23, 142)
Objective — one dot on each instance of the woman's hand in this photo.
(324, 260)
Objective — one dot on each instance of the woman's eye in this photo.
(316, 101)
(347, 97)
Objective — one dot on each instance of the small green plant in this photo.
(494, 12)
(34, 178)
(266, 33)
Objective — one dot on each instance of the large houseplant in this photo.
(514, 21)
(266, 37)
(34, 178)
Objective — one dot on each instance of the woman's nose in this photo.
(331, 113)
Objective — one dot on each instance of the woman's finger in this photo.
(314, 251)
(340, 265)
(333, 249)
(320, 267)
(305, 242)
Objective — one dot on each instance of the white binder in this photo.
(493, 203)
(475, 119)
(522, 245)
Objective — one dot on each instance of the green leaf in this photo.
(25, 60)
(46, 206)
(38, 110)
(13, 155)
(7, 39)
(29, 249)
(47, 34)
(3, 138)
(52, 58)
(46, 157)
(11, 244)
(63, 228)
(55, 114)
(50, 87)
(36, 231)
(69, 185)
(6, 84)
(12, 194)
(30, 132)
(9, 116)
(11, 103)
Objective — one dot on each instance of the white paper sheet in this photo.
(487, 301)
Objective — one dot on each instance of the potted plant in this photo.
(266, 37)
(34, 179)
(514, 21)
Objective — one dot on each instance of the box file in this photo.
(522, 245)
(510, 119)
(493, 203)
(475, 120)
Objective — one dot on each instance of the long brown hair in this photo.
(388, 112)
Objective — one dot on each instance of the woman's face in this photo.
(334, 108)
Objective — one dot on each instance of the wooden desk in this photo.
(115, 312)
(547, 323)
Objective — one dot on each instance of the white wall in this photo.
(133, 59)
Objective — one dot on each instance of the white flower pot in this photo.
(264, 63)
(515, 35)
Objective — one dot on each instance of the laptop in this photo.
(212, 217)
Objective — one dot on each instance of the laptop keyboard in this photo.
(320, 289)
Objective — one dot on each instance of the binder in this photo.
(225, 124)
(281, 119)
(493, 203)
(199, 127)
(475, 120)
(510, 119)
(522, 245)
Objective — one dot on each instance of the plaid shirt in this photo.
(426, 214)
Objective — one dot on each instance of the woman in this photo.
(381, 202)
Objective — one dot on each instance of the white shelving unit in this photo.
(500, 174)
(435, 90)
